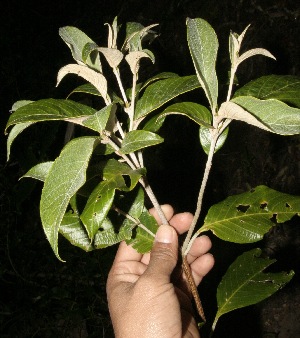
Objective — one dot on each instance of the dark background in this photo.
(41, 297)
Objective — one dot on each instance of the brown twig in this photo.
(193, 287)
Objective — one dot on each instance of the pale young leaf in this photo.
(252, 52)
(133, 59)
(233, 111)
(95, 78)
(112, 55)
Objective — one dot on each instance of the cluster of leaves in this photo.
(93, 192)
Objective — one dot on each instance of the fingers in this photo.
(201, 266)
(126, 253)
(167, 210)
(181, 222)
(200, 246)
(164, 255)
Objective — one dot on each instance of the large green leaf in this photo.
(139, 139)
(245, 283)
(162, 91)
(203, 45)
(285, 88)
(50, 109)
(101, 199)
(73, 230)
(277, 116)
(246, 217)
(66, 176)
(76, 40)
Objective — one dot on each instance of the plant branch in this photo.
(144, 182)
(187, 242)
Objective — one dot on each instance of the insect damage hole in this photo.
(243, 208)
(264, 206)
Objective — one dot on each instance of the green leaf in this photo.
(50, 109)
(86, 88)
(203, 45)
(143, 239)
(73, 230)
(194, 111)
(39, 171)
(133, 202)
(160, 76)
(15, 131)
(139, 139)
(101, 199)
(66, 176)
(284, 88)
(76, 40)
(99, 120)
(246, 217)
(277, 116)
(109, 237)
(162, 91)
(205, 139)
(245, 283)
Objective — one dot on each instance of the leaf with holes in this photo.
(246, 217)
(245, 283)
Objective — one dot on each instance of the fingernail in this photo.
(165, 234)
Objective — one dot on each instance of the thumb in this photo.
(164, 254)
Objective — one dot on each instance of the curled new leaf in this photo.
(133, 59)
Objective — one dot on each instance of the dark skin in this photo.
(147, 294)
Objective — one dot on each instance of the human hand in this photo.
(146, 297)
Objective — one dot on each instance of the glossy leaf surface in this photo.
(245, 283)
(73, 230)
(246, 217)
(66, 176)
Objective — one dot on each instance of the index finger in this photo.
(126, 253)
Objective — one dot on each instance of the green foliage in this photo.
(93, 192)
